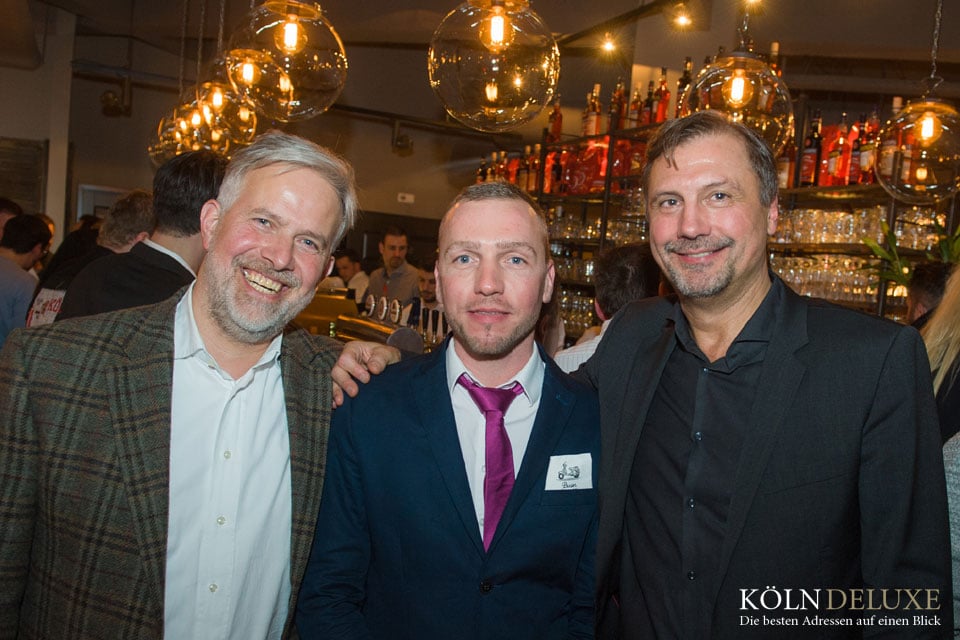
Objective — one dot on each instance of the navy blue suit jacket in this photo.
(398, 552)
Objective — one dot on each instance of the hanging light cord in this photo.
(934, 80)
(183, 46)
(203, 18)
(223, 13)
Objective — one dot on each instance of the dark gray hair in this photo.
(276, 147)
(676, 133)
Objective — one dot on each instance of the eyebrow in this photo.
(322, 241)
(501, 244)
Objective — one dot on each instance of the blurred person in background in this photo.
(126, 223)
(26, 239)
(621, 275)
(941, 335)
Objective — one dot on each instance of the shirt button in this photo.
(485, 587)
(222, 520)
(227, 454)
(691, 575)
(213, 587)
(698, 436)
(690, 504)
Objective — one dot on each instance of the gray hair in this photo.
(276, 147)
(675, 133)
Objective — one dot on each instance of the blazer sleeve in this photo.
(19, 462)
(333, 590)
(904, 528)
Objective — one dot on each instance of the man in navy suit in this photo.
(408, 542)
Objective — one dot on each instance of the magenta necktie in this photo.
(498, 479)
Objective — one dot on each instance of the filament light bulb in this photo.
(737, 90)
(496, 32)
(216, 100)
(490, 90)
(930, 128)
(291, 38)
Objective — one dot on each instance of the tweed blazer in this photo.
(84, 462)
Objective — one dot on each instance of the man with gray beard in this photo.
(163, 465)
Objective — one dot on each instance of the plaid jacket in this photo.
(84, 459)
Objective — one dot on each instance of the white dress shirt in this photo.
(228, 533)
(571, 358)
(359, 283)
(471, 423)
(173, 254)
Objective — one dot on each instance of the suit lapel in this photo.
(141, 421)
(305, 366)
(556, 403)
(436, 416)
(779, 381)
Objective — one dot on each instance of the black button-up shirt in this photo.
(683, 478)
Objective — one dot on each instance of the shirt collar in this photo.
(530, 376)
(188, 343)
(751, 342)
(176, 256)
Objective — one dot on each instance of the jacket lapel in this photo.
(140, 411)
(436, 417)
(779, 381)
(305, 366)
(556, 403)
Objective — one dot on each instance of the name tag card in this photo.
(569, 472)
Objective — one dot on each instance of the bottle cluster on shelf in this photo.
(522, 170)
(833, 156)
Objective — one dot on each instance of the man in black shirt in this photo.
(759, 449)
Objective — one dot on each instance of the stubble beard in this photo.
(253, 321)
(487, 347)
(695, 281)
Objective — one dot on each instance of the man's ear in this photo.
(330, 262)
(210, 215)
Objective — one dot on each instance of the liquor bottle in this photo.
(774, 58)
(493, 173)
(838, 157)
(617, 111)
(868, 149)
(634, 113)
(556, 122)
(856, 149)
(520, 177)
(482, 171)
(649, 108)
(810, 157)
(533, 169)
(662, 96)
(685, 79)
(787, 165)
(503, 167)
(592, 113)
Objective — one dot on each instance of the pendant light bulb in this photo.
(290, 38)
(931, 128)
(493, 64)
(737, 89)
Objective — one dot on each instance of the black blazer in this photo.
(840, 483)
(124, 280)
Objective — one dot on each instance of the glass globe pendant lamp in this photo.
(493, 64)
(743, 86)
(223, 108)
(288, 60)
(919, 148)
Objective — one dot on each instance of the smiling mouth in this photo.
(262, 283)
